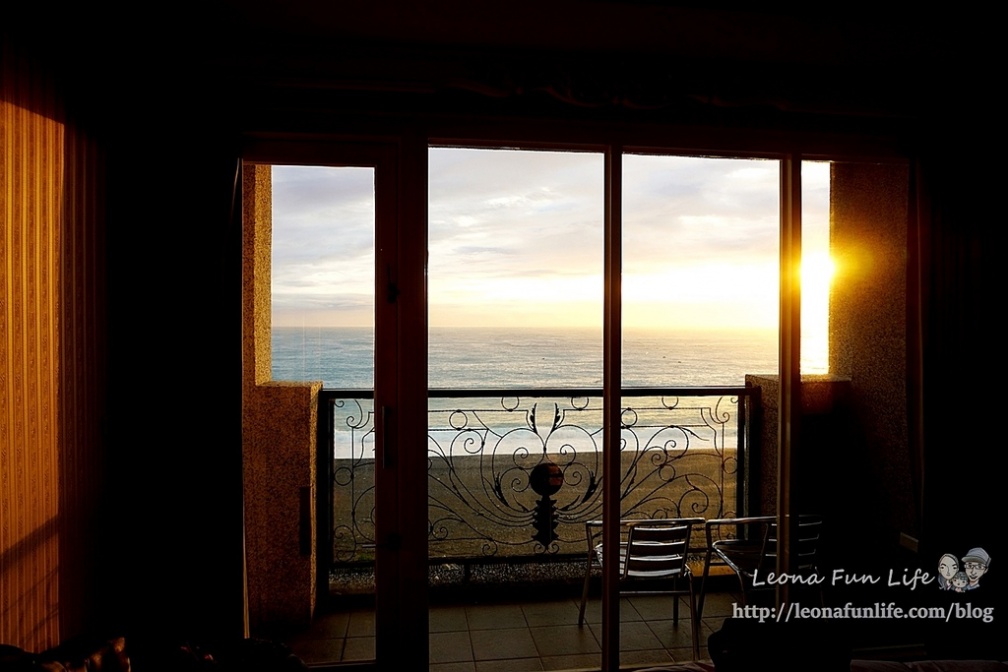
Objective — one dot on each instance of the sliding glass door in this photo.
(551, 343)
(515, 370)
(592, 320)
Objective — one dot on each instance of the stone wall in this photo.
(279, 422)
(868, 344)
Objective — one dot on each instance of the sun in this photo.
(817, 271)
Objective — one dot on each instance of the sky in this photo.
(516, 239)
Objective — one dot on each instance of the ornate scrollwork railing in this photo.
(517, 473)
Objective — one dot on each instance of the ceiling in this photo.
(596, 56)
(855, 61)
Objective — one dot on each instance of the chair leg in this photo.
(675, 609)
(694, 623)
(584, 594)
(703, 584)
(742, 590)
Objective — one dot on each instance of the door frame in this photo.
(400, 379)
(399, 387)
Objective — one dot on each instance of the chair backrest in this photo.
(806, 545)
(657, 549)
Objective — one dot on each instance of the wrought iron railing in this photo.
(518, 472)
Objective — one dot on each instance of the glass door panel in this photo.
(817, 267)
(515, 370)
(700, 313)
(323, 328)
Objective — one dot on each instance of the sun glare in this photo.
(817, 270)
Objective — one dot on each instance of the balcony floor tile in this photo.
(522, 636)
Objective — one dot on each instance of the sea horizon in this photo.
(481, 357)
(526, 360)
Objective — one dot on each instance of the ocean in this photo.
(677, 450)
(474, 358)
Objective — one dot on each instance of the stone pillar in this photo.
(279, 430)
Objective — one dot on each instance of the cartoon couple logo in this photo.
(974, 565)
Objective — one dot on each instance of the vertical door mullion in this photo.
(789, 403)
(385, 421)
(412, 630)
(611, 404)
(401, 631)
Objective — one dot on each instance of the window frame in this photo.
(409, 154)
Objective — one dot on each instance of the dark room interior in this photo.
(124, 428)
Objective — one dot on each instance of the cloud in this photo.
(522, 231)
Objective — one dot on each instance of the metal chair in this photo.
(751, 551)
(652, 560)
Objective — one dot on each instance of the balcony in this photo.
(513, 475)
